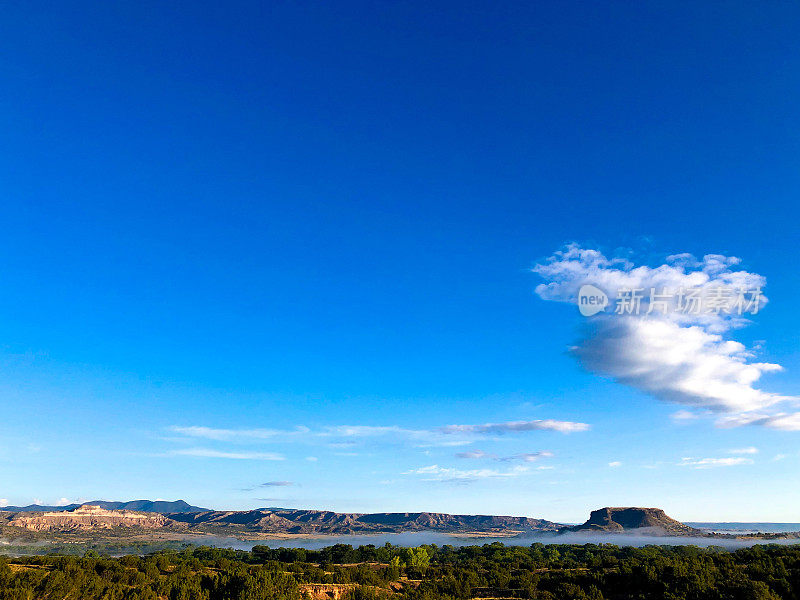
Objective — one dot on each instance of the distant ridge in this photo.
(296, 521)
(104, 515)
(154, 506)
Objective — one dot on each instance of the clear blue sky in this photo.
(293, 216)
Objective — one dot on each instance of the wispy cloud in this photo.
(269, 484)
(353, 436)
(474, 454)
(417, 437)
(782, 421)
(527, 456)
(684, 416)
(677, 357)
(748, 450)
(710, 463)
(516, 427)
(359, 431)
(228, 435)
(614, 464)
(210, 453)
(437, 473)
(524, 456)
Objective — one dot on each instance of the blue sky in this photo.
(287, 243)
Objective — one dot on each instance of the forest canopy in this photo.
(425, 573)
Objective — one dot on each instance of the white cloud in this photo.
(209, 453)
(472, 454)
(524, 456)
(351, 436)
(683, 416)
(312, 458)
(675, 363)
(779, 457)
(437, 473)
(3, 502)
(369, 430)
(421, 438)
(517, 426)
(527, 456)
(748, 450)
(709, 463)
(222, 435)
(676, 357)
(782, 421)
(615, 463)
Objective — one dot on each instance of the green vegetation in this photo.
(425, 573)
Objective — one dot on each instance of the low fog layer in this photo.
(441, 539)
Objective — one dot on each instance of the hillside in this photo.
(642, 520)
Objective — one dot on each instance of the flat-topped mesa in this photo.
(652, 521)
(89, 517)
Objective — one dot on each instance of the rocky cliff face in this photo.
(646, 520)
(89, 518)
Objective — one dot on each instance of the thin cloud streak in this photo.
(437, 473)
(341, 436)
(226, 435)
(210, 453)
(749, 450)
(710, 463)
(517, 427)
(524, 456)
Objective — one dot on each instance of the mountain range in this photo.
(122, 516)
(147, 517)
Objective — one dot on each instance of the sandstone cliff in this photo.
(89, 517)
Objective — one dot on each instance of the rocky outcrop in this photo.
(652, 521)
(326, 591)
(89, 517)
